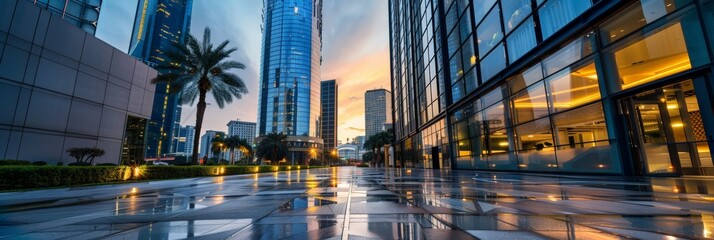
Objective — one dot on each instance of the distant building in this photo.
(359, 141)
(82, 13)
(377, 110)
(206, 141)
(242, 129)
(184, 141)
(61, 87)
(159, 24)
(387, 126)
(328, 99)
(348, 151)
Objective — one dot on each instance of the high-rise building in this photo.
(184, 141)
(242, 129)
(81, 13)
(377, 110)
(207, 141)
(159, 24)
(561, 86)
(328, 100)
(61, 87)
(289, 96)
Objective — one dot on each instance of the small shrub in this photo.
(85, 154)
(60, 164)
(7, 162)
(39, 163)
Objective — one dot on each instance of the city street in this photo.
(367, 203)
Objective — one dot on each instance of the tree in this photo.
(245, 148)
(218, 145)
(232, 143)
(273, 147)
(366, 157)
(85, 155)
(376, 142)
(193, 69)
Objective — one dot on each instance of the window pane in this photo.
(591, 157)
(525, 79)
(489, 32)
(661, 52)
(492, 97)
(534, 135)
(555, 14)
(481, 7)
(530, 104)
(573, 87)
(521, 41)
(580, 126)
(541, 160)
(571, 53)
(494, 118)
(493, 63)
(514, 11)
(635, 17)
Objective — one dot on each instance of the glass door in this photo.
(667, 132)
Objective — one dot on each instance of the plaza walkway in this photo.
(364, 203)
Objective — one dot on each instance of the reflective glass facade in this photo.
(289, 91)
(157, 25)
(573, 86)
(81, 13)
(377, 111)
(328, 99)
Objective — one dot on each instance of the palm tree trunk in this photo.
(200, 110)
(232, 155)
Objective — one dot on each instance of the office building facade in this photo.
(377, 110)
(207, 141)
(289, 90)
(328, 112)
(159, 24)
(242, 129)
(60, 87)
(82, 13)
(569, 86)
(184, 141)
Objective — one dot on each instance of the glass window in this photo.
(494, 118)
(530, 104)
(580, 126)
(535, 145)
(489, 32)
(555, 14)
(661, 52)
(525, 79)
(481, 7)
(493, 63)
(514, 11)
(571, 53)
(521, 41)
(573, 87)
(635, 17)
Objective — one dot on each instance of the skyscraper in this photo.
(242, 129)
(328, 99)
(377, 110)
(207, 141)
(289, 96)
(159, 24)
(557, 86)
(81, 13)
(184, 141)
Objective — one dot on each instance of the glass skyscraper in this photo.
(157, 25)
(571, 86)
(81, 13)
(289, 96)
(328, 99)
(377, 111)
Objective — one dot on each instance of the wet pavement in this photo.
(364, 203)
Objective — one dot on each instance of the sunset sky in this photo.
(355, 52)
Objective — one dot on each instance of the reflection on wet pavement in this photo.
(362, 203)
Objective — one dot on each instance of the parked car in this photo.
(160, 163)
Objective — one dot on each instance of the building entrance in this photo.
(666, 131)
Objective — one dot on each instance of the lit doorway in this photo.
(666, 131)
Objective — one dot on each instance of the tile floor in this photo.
(367, 203)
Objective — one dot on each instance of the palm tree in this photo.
(273, 147)
(232, 143)
(376, 142)
(245, 148)
(218, 145)
(193, 69)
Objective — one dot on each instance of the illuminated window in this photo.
(573, 87)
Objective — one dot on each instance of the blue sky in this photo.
(355, 51)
